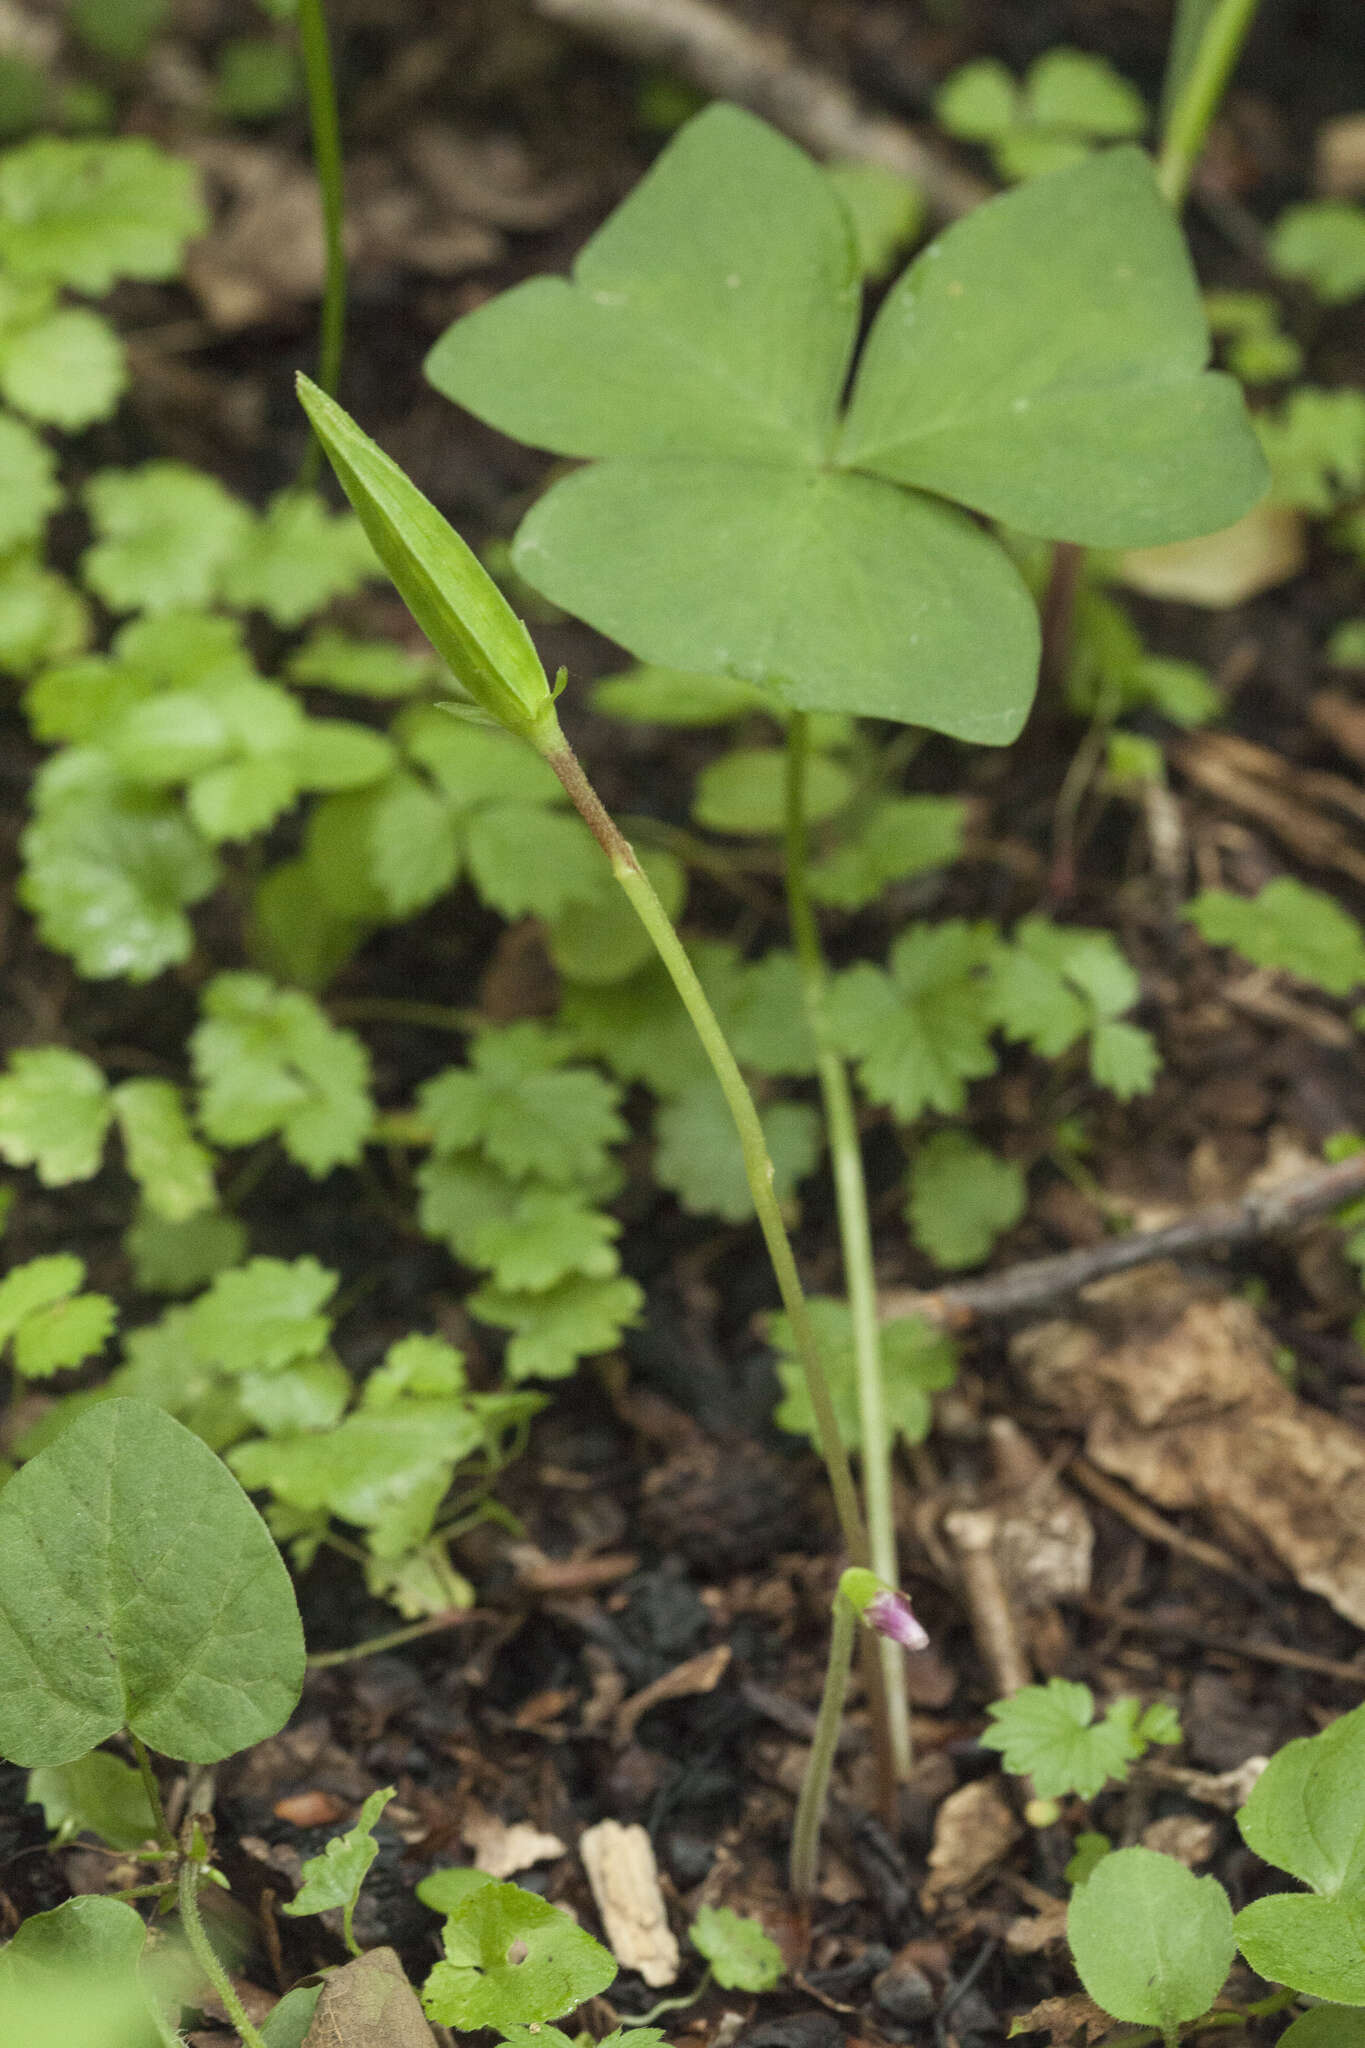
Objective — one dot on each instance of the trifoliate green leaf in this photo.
(425, 1368)
(512, 1958)
(54, 1113)
(67, 370)
(917, 1360)
(293, 932)
(526, 1110)
(667, 696)
(1289, 926)
(978, 102)
(314, 1394)
(1315, 445)
(42, 618)
(902, 837)
(475, 765)
(49, 1324)
(28, 483)
(638, 1028)
(268, 1060)
(697, 1151)
(97, 1794)
(1049, 1733)
(1151, 1941)
(110, 870)
(188, 650)
(423, 1583)
(386, 1470)
(178, 734)
(1323, 243)
(745, 791)
(1073, 89)
(264, 1316)
(163, 1155)
(576, 1318)
(85, 213)
(362, 668)
(548, 1235)
(178, 1258)
(334, 1878)
(1124, 1059)
(742, 1955)
(164, 536)
(163, 1562)
(458, 1194)
(921, 1030)
(296, 558)
(382, 853)
(962, 1196)
(523, 859)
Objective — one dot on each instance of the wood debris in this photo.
(620, 1865)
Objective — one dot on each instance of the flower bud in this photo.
(882, 1608)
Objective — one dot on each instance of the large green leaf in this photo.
(139, 1588)
(1043, 361)
(716, 309)
(842, 593)
(71, 1975)
(1151, 1941)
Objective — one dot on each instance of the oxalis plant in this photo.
(734, 514)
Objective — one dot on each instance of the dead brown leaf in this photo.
(1071, 2022)
(501, 1847)
(974, 1829)
(369, 2004)
(698, 1674)
(1176, 1386)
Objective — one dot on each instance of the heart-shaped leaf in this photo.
(838, 592)
(1307, 1814)
(716, 309)
(1044, 361)
(142, 1590)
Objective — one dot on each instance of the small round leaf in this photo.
(1151, 1941)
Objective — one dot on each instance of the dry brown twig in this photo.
(1037, 1283)
(709, 47)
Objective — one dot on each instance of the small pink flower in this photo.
(891, 1615)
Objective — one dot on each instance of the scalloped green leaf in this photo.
(85, 213)
(54, 1113)
(166, 1566)
(512, 1958)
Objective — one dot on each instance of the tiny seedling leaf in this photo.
(334, 1878)
(1152, 1942)
(742, 1955)
(265, 1315)
(1048, 1733)
(1323, 243)
(66, 370)
(576, 1318)
(962, 1196)
(269, 1060)
(527, 1111)
(164, 1157)
(54, 1113)
(50, 1325)
(1287, 925)
(84, 213)
(166, 1565)
(917, 1361)
(512, 1958)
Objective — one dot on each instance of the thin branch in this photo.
(708, 46)
(1038, 1283)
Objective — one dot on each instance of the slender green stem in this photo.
(397, 1010)
(316, 51)
(202, 1949)
(1197, 100)
(153, 1791)
(323, 1660)
(855, 1231)
(810, 1806)
(647, 2019)
(758, 1166)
